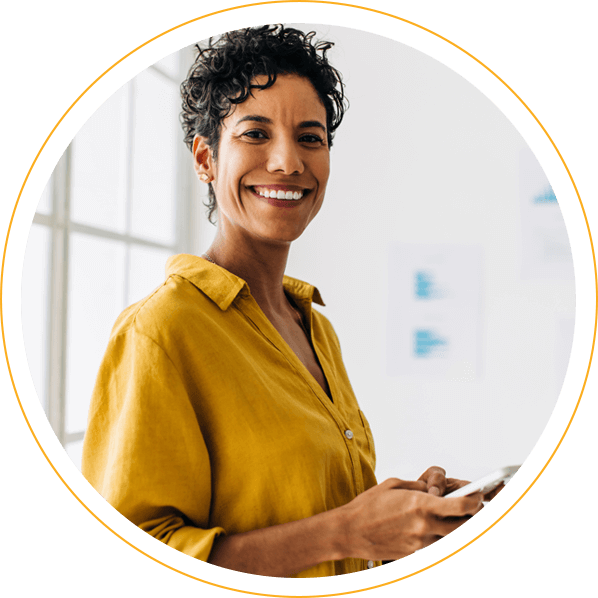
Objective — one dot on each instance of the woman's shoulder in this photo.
(168, 308)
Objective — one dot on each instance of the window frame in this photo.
(58, 221)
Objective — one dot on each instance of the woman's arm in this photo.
(281, 550)
(386, 522)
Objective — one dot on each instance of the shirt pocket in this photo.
(369, 436)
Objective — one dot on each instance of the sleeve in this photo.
(144, 451)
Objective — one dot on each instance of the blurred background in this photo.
(440, 252)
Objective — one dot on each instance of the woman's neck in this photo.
(260, 264)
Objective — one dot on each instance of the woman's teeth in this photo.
(280, 194)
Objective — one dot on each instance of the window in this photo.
(118, 204)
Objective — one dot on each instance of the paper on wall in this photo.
(434, 311)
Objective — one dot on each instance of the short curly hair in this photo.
(224, 73)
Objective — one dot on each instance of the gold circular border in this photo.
(293, 2)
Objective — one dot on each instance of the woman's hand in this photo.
(439, 485)
(396, 518)
(386, 522)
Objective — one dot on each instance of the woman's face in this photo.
(273, 162)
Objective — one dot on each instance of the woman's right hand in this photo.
(397, 517)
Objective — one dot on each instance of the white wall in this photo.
(422, 156)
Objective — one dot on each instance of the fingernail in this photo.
(434, 490)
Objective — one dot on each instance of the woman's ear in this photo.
(203, 162)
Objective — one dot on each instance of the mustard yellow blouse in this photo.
(203, 421)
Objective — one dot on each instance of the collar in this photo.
(222, 287)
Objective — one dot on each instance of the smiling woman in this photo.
(289, 191)
(273, 154)
(223, 422)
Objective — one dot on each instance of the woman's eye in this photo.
(255, 134)
(311, 138)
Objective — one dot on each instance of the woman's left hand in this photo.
(439, 485)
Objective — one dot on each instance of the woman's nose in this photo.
(285, 157)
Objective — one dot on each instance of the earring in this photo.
(204, 177)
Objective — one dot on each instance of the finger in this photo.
(435, 478)
(494, 492)
(431, 471)
(458, 507)
(397, 484)
(453, 484)
(437, 484)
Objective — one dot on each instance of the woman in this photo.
(223, 422)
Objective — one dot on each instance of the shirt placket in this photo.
(335, 409)
(252, 311)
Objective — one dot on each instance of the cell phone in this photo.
(487, 483)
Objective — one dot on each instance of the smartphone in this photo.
(487, 483)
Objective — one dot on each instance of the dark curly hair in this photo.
(224, 73)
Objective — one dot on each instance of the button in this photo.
(349, 434)
(370, 564)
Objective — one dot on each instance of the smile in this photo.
(278, 192)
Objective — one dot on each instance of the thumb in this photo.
(397, 484)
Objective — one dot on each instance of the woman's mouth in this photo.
(279, 192)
